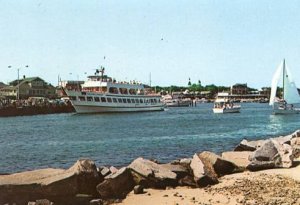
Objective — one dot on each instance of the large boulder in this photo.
(288, 139)
(151, 174)
(295, 143)
(296, 151)
(287, 156)
(203, 175)
(284, 139)
(267, 152)
(255, 144)
(116, 185)
(241, 159)
(183, 162)
(219, 165)
(260, 165)
(248, 145)
(180, 170)
(270, 155)
(56, 185)
(296, 134)
(87, 176)
(188, 180)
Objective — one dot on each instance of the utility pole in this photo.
(18, 86)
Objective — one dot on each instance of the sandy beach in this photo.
(275, 186)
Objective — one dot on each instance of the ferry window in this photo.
(89, 98)
(141, 101)
(132, 101)
(136, 100)
(124, 100)
(113, 90)
(128, 100)
(132, 91)
(154, 100)
(114, 100)
(73, 98)
(103, 89)
(151, 100)
(81, 98)
(140, 92)
(103, 99)
(119, 100)
(96, 99)
(108, 99)
(158, 100)
(123, 91)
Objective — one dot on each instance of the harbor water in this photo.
(58, 140)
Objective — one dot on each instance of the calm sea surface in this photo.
(32, 142)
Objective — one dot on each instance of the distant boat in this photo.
(202, 100)
(224, 105)
(286, 105)
(169, 101)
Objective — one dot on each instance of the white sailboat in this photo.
(290, 93)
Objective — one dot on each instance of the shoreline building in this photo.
(28, 87)
(239, 89)
(241, 92)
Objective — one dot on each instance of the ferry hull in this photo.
(107, 109)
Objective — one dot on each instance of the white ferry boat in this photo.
(101, 93)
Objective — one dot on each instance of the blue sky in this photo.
(221, 42)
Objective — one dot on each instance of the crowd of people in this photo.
(31, 102)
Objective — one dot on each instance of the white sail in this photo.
(275, 81)
(291, 95)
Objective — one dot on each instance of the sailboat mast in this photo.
(283, 70)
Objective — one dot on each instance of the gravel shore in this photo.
(268, 187)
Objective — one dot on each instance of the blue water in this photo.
(58, 140)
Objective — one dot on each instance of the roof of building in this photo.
(2, 84)
(240, 85)
(32, 79)
(23, 80)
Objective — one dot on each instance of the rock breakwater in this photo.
(35, 110)
(85, 183)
